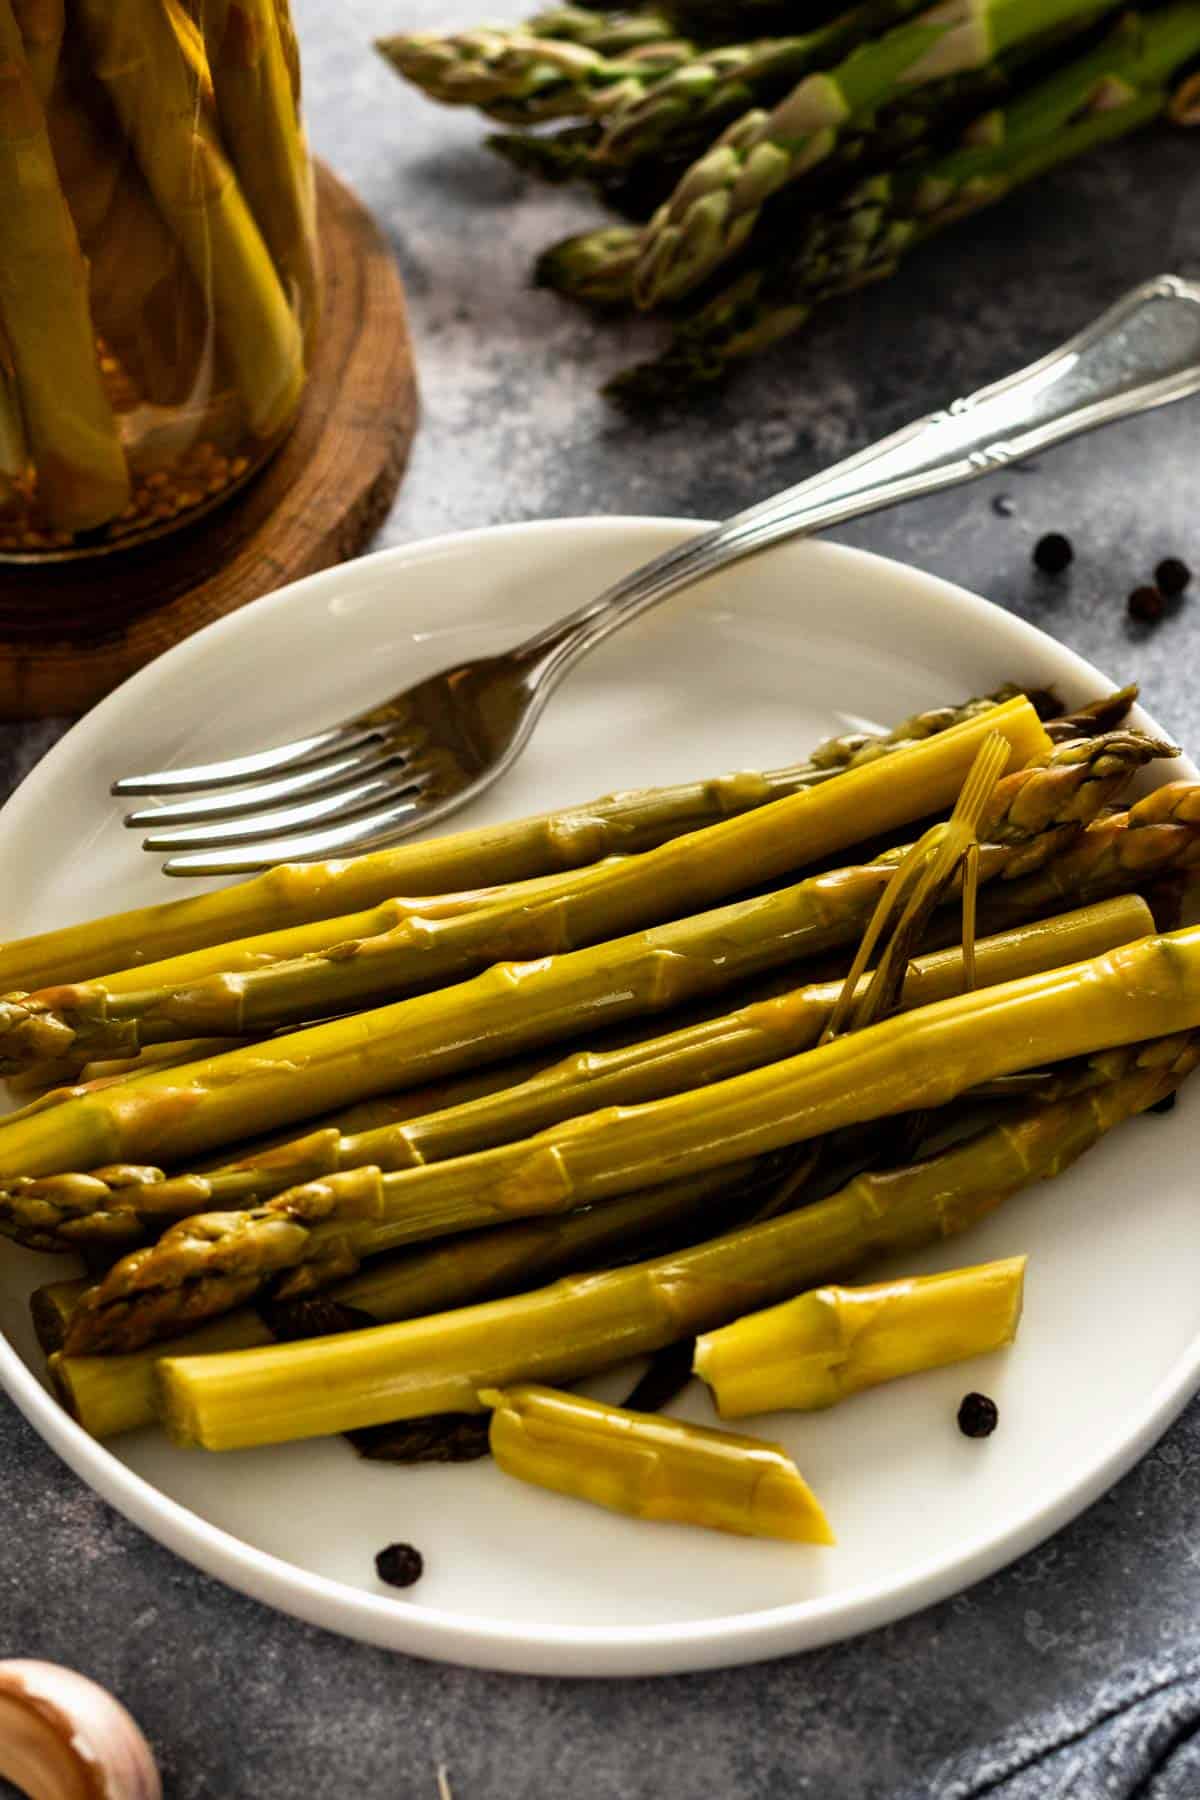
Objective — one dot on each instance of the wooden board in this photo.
(70, 631)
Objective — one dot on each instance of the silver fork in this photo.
(417, 758)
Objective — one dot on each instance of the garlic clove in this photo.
(63, 1737)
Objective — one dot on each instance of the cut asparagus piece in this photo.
(830, 1343)
(488, 855)
(583, 1325)
(61, 1211)
(651, 1467)
(912, 1062)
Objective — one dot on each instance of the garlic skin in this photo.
(63, 1737)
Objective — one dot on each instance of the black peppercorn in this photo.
(1054, 553)
(1147, 604)
(1165, 1105)
(399, 1565)
(978, 1416)
(1172, 576)
(1003, 507)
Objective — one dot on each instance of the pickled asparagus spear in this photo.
(51, 1306)
(41, 24)
(699, 869)
(141, 50)
(182, 1111)
(145, 301)
(262, 128)
(60, 1211)
(72, 435)
(14, 451)
(522, 79)
(295, 894)
(830, 1343)
(583, 1325)
(106, 1016)
(652, 1467)
(108, 1394)
(1157, 835)
(114, 1394)
(719, 201)
(908, 1063)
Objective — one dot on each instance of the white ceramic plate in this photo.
(748, 671)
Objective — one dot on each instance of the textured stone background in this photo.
(245, 1705)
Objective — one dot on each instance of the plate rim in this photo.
(554, 1649)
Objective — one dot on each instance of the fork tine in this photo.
(367, 832)
(228, 803)
(245, 768)
(344, 802)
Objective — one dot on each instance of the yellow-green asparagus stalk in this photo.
(143, 51)
(112, 1395)
(908, 1063)
(262, 128)
(51, 1305)
(832, 1342)
(697, 870)
(82, 477)
(583, 1325)
(146, 303)
(107, 1206)
(482, 856)
(108, 1394)
(1157, 835)
(651, 1467)
(14, 450)
(260, 984)
(71, 1023)
(41, 24)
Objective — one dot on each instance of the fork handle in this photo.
(1142, 353)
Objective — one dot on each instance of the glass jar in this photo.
(159, 284)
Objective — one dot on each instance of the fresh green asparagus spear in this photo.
(484, 856)
(833, 1341)
(1103, 96)
(712, 89)
(611, 33)
(598, 268)
(907, 1063)
(125, 1205)
(583, 1325)
(651, 1467)
(718, 203)
(694, 870)
(521, 80)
